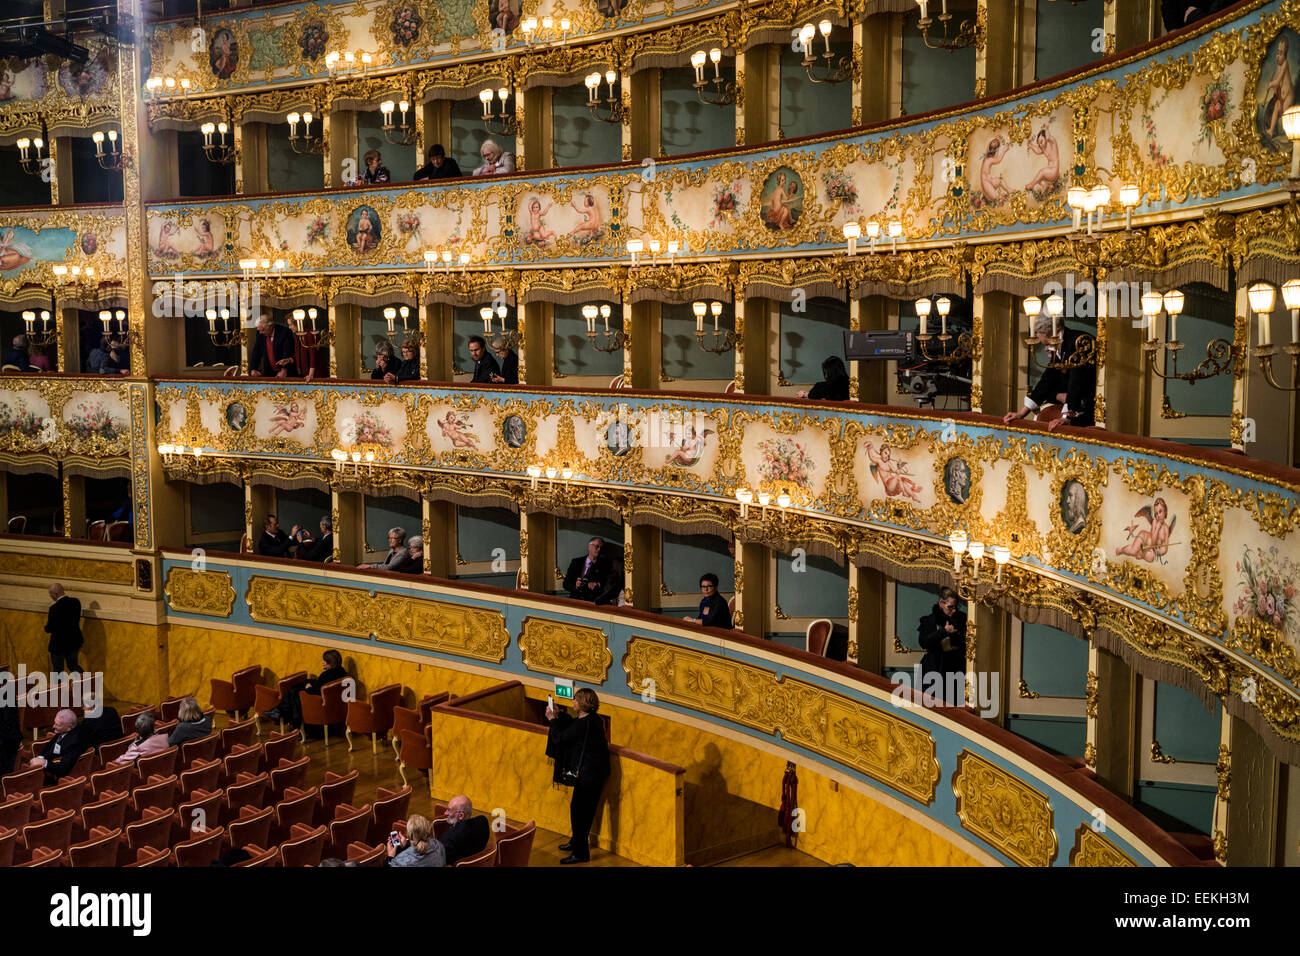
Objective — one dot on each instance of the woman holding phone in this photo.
(581, 756)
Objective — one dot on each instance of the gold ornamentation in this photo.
(1221, 846)
(1025, 692)
(1004, 811)
(477, 633)
(1223, 772)
(865, 738)
(566, 650)
(199, 592)
(1158, 756)
(1093, 849)
(59, 568)
(1091, 695)
(1090, 755)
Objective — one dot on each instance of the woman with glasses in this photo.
(713, 606)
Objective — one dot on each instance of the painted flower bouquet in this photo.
(726, 202)
(406, 25)
(408, 224)
(92, 420)
(313, 39)
(1267, 587)
(371, 431)
(784, 460)
(841, 189)
(20, 420)
(317, 230)
(1215, 102)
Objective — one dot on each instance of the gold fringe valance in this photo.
(29, 463)
(817, 289)
(1267, 268)
(486, 498)
(682, 295)
(91, 468)
(940, 284)
(395, 294)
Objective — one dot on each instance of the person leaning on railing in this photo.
(1067, 379)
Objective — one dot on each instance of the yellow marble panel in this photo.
(1004, 811)
(125, 652)
(566, 650)
(498, 766)
(479, 633)
(60, 567)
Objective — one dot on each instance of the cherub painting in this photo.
(537, 233)
(505, 14)
(690, 449)
(1152, 542)
(1048, 179)
(13, 254)
(1276, 91)
(287, 418)
(166, 246)
(363, 230)
(892, 475)
(782, 199)
(993, 186)
(454, 429)
(223, 54)
(206, 241)
(592, 225)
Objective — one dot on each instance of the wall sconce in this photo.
(107, 317)
(1130, 194)
(1291, 126)
(225, 337)
(965, 349)
(613, 103)
(391, 316)
(342, 62)
(544, 31)
(403, 135)
(31, 161)
(114, 158)
(304, 143)
(1055, 306)
(723, 341)
(968, 34)
(746, 498)
(1086, 201)
(723, 94)
(47, 333)
(852, 232)
(1218, 353)
(843, 72)
(502, 125)
(511, 337)
(895, 231)
(309, 333)
(967, 583)
(159, 87)
(215, 147)
(613, 340)
(1262, 298)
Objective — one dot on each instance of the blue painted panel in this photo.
(682, 356)
(1177, 807)
(821, 589)
(1185, 729)
(479, 531)
(213, 508)
(1068, 36)
(808, 108)
(393, 511)
(579, 138)
(1059, 735)
(808, 338)
(574, 354)
(687, 125)
(1052, 662)
(935, 79)
(687, 556)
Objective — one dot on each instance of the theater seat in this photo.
(202, 775)
(279, 747)
(269, 698)
(374, 716)
(515, 847)
(289, 775)
(159, 792)
(260, 857)
(109, 752)
(416, 754)
(201, 750)
(305, 846)
(154, 831)
(243, 758)
(364, 855)
(297, 807)
(390, 806)
(201, 850)
(350, 825)
(326, 709)
(239, 732)
(98, 849)
(43, 856)
(67, 795)
(148, 856)
(246, 790)
(486, 857)
(251, 826)
(335, 789)
(202, 811)
(108, 812)
(817, 637)
(16, 811)
(26, 781)
(236, 695)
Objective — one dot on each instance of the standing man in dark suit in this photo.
(942, 633)
(485, 366)
(588, 575)
(581, 754)
(63, 624)
(508, 359)
(272, 351)
(1074, 387)
(468, 834)
(274, 543)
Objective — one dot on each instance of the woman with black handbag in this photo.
(581, 756)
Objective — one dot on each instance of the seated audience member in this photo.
(1074, 386)
(290, 708)
(11, 734)
(496, 162)
(385, 364)
(17, 355)
(508, 360)
(588, 574)
(485, 366)
(320, 549)
(38, 359)
(272, 351)
(192, 723)
(1179, 13)
(408, 370)
(414, 563)
(376, 171)
(713, 606)
(274, 543)
(106, 357)
(72, 739)
(418, 847)
(308, 357)
(834, 386)
(439, 165)
(397, 552)
(468, 834)
(146, 741)
(942, 633)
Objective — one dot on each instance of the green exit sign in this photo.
(563, 689)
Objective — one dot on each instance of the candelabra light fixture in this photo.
(215, 146)
(445, 257)
(487, 314)
(1218, 353)
(402, 134)
(1055, 306)
(546, 30)
(264, 267)
(966, 580)
(613, 340)
(822, 72)
(159, 87)
(1262, 298)
(722, 92)
(965, 348)
(44, 334)
(344, 62)
(229, 334)
(76, 280)
(610, 109)
(1084, 201)
(853, 232)
(305, 142)
(111, 159)
(124, 332)
(503, 124)
(747, 497)
(311, 323)
(724, 340)
(967, 35)
(391, 315)
(29, 154)
(349, 461)
(640, 247)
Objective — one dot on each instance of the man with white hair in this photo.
(1074, 387)
(467, 835)
(69, 743)
(63, 624)
(272, 351)
(496, 162)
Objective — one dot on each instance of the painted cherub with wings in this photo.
(1152, 543)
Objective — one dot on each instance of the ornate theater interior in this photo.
(887, 408)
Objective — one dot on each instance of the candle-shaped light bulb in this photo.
(700, 309)
(105, 316)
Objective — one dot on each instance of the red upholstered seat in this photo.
(373, 716)
(336, 789)
(279, 747)
(128, 721)
(67, 795)
(260, 857)
(246, 790)
(514, 847)
(304, 846)
(416, 753)
(203, 749)
(818, 637)
(43, 856)
(486, 857)
(202, 811)
(350, 825)
(153, 830)
(239, 732)
(297, 807)
(16, 811)
(148, 856)
(110, 751)
(202, 775)
(269, 698)
(243, 758)
(202, 849)
(236, 695)
(390, 806)
(118, 779)
(326, 709)
(290, 773)
(159, 793)
(161, 764)
(8, 843)
(364, 855)
(54, 832)
(108, 812)
(25, 781)
(251, 826)
(100, 848)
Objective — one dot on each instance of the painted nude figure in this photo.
(591, 224)
(288, 418)
(451, 425)
(1045, 146)
(992, 185)
(892, 474)
(1153, 543)
(537, 231)
(1279, 96)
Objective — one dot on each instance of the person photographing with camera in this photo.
(581, 754)
(417, 847)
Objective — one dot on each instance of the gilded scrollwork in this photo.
(1004, 811)
(564, 649)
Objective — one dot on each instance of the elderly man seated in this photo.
(496, 162)
(468, 833)
(397, 552)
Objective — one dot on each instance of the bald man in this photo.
(64, 627)
(70, 742)
(468, 834)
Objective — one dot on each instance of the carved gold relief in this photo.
(1004, 811)
(199, 592)
(566, 650)
(1093, 849)
(55, 568)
